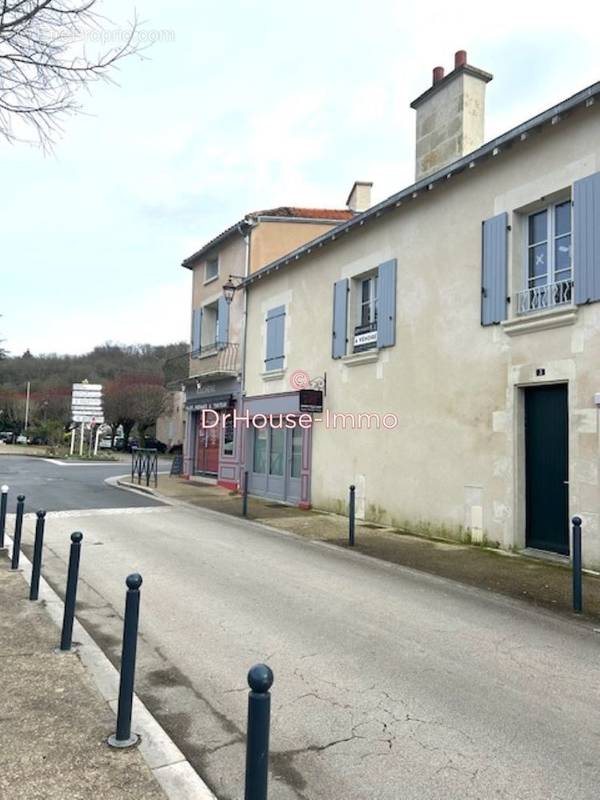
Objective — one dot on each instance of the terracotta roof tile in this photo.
(305, 213)
(295, 212)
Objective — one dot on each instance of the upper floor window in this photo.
(549, 260)
(211, 269)
(365, 331)
(275, 336)
(364, 311)
(368, 300)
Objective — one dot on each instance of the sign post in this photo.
(86, 409)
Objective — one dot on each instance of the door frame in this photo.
(519, 487)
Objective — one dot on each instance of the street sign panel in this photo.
(92, 419)
(87, 395)
(86, 403)
(87, 387)
(93, 402)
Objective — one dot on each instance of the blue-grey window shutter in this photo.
(494, 269)
(223, 322)
(340, 318)
(275, 338)
(586, 239)
(386, 304)
(196, 329)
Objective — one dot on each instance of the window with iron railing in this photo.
(549, 260)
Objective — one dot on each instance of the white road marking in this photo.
(93, 512)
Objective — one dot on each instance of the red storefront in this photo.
(212, 440)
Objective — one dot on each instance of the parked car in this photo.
(155, 444)
(38, 440)
(21, 439)
(149, 444)
(8, 437)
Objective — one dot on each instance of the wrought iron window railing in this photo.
(220, 357)
(538, 298)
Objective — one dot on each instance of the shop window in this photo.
(276, 451)
(296, 464)
(260, 450)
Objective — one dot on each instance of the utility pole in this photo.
(27, 404)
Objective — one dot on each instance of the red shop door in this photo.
(207, 449)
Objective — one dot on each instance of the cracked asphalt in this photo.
(389, 684)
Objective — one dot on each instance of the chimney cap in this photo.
(438, 74)
(461, 69)
(460, 58)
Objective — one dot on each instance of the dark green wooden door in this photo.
(547, 468)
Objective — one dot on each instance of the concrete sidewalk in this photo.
(542, 582)
(54, 721)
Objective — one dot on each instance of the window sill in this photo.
(273, 374)
(367, 357)
(540, 321)
(211, 280)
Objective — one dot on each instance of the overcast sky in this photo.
(240, 106)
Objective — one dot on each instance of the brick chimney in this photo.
(359, 198)
(450, 116)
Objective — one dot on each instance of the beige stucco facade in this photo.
(454, 464)
(217, 329)
(170, 427)
(269, 240)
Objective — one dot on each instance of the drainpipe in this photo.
(245, 230)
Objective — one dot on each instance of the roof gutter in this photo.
(238, 227)
(492, 148)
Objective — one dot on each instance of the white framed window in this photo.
(365, 290)
(368, 300)
(210, 326)
(548, 259)
(211, 269)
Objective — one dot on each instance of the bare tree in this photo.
(45, 60)
(152, 400)
(135, 400)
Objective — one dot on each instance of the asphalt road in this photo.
(389, 684)
(54, 487)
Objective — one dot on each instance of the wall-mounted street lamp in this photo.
(230, 287)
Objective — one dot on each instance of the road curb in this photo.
(173, 772)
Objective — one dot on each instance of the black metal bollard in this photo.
(351, 515)
(123, 736)
(3, 505)
(577, 568)
(66, 637)
(245, 495)
(16, 553)
(260, 680)
(36, 566)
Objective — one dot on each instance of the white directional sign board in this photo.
(86, 403)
